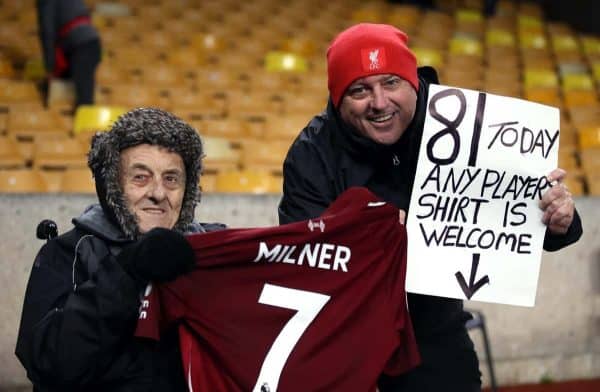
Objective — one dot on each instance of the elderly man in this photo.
(369, 136)
(83, 296)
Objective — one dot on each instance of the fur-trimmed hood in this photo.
(139, 126)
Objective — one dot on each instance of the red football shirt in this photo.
(317, 305)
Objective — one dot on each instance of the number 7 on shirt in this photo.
(308, 304)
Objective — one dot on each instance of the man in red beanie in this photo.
(370, 136)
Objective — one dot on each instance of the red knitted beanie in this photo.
(368, 49)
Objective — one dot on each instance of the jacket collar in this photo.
(95, 221)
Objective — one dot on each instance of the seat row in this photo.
(79, 180)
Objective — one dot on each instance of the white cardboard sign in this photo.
(475, 228)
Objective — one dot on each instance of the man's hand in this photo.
(401, 216)
(160, 255)
(557, 204)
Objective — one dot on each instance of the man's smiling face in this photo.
(380, 107)
(153, 181)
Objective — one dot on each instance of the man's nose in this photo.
(379, 98)
(156, 190)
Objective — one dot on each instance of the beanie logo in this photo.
(373, 59)
(373, 56)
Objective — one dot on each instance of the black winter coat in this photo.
(329, 157)
(79, 316)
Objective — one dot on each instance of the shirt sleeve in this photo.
(554, 242)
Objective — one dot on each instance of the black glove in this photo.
(160, 255)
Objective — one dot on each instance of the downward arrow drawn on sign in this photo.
(472, 287)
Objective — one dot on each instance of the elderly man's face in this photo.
(380, 107)
(153, 182)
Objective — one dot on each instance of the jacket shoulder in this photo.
(314, 138)
(428, 74)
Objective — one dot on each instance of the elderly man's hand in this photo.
(557, 204)
(160, 255)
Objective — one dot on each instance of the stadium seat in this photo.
(247, 181)
(29, 123)
(208, 43)
(219, 155)
(501, 20)
(52, 179)
(77, 180)
(34, 70)
(94, 118)
(137, 95)
(110, 72)
(270, 81)
(567, 160)
(584, 116)
(189, 103)
(232, 129)
(469, 21)
(285, 128)
(596, 71)
(532, 40)
(18, 91)
(589, 137)
(304, 103)
(264, 155)
(575, 184)
(10, 155)
(564, 43)
(162, 75)
(530, 18)
(577, 81)
(158, 39)
(285, 62)
(301, 45)
(592, 180)
(577, 98)
(500, 37)
(590, 159)
(58, 153)
(545, 95)
(368, 14)
(465, 46)
(184, 57)
(405, 15)
(133, 56)
(537, 59)
(208, 182)
(245, 105)
(216, 78)
(428, 56)
(7, 70)
(540, 78)
(21, 181)
(590, 45)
